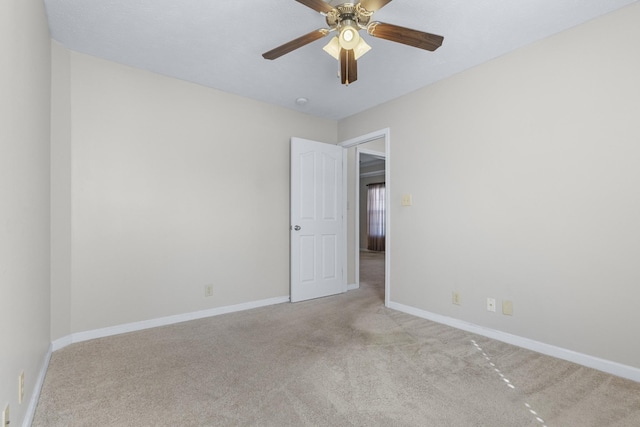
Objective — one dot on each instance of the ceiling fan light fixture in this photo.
(333, 48)
(349, 37)
(361, 48)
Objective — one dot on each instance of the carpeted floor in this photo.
(337, 361)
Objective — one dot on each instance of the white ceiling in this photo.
(218, 43)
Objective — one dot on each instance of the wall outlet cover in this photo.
(21, 387)
(455, 298)
(491, 304)
(208, 290)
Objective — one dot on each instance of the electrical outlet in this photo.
(208, 290)
(491, 304)
(5, 417)
(507, 308)
(21, 387)
(455, 298)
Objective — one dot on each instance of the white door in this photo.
(317, 232)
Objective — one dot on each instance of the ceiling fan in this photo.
(347, 19)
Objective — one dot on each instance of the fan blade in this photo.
(404, 35)
(348, 66)
(295, 44)
(317, 5)
(373, 5)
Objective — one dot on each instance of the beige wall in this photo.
(524, 174)
(60, 191)
(24, 198)
(173, 187)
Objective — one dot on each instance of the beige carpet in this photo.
(337, 361)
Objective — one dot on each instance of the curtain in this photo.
(375, 217)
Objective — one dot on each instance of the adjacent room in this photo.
(146, 214)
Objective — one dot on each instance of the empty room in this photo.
(309, 212)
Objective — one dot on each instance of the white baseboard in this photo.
(353, 286)
(161, 321)
(35, 395)
(61, 342)
(603, 365)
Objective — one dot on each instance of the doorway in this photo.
(378, 150)
(370, 213)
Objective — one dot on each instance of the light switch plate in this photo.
(507, 308)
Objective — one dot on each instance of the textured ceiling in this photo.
(218, 43)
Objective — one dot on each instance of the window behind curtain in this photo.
(375, 217)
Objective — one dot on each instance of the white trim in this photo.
(162, 321)
(35, 395)
(345, 214)
(603, 365)
(369, 174)
(365, 138)
(356, 215)
(386, 134)
(353, 286)
(61, 342)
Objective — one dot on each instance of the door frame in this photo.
(353, 142)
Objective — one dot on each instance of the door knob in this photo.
(297, 228)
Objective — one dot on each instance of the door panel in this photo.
(307, 259)
(317, 232)
(329, 255)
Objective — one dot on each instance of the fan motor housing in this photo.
(348, 12)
